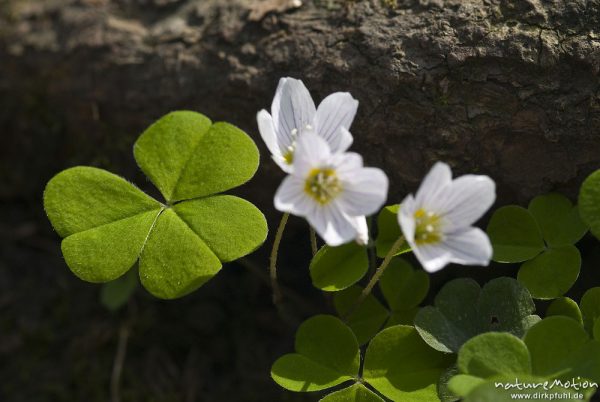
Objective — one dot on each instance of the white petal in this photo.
(290, 197)
(267, 132)
(432, 257)
(428, 195)
(335, 112)
(311, 152)
(292, 108)
(343, 141)
(364, 191)
(466, 200)
(334, 227)
(406, 218)
(469, 247)
(346, 163)
(362, 230)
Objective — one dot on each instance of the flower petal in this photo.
(334, 227)
(267, 132)
(362, 230)
(469, 247)
(311, 152)
(428, 195)
(364, 191)
(290, 197)
(406, 219)
(466, 200)
(292, 108)
(335, 112)
(432, 257)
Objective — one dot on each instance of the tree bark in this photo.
(508, 88)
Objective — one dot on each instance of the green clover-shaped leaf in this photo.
(402, 367)
(108, 224)
(556, 348)
(463, 310)
(326, 355)
(590, 308)
(542, 237)
(354, 393)
(566, 307)
(514, 234)
(388, 231)
(337, 268)
(403, 288)
(367, 319)
(558, 219)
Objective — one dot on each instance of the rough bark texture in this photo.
(504, 87)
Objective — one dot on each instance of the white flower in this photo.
(332, 191)
(293, 113)
(437, 221)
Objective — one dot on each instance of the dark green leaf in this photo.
(388, 231)
(558, 219)
(117, 293)
(589, 202)
(514, 234)
(402, 286)
(367, 319)
(564, 306)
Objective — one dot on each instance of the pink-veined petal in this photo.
(335, 112)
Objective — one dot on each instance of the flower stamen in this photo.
(428, 228)
(323, 185)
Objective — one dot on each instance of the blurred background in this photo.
(504, 88)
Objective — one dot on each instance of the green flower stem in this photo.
(313, 241)
(277, 295)
(376, 277)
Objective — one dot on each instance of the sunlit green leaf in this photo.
(514, 234)
(402, 367)
(355, 393)
(109, 224)
(337, 268)
(326, 355)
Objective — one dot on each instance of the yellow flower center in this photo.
(428, 229)
(288, 157)
(323, 185)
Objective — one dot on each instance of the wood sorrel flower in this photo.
(293, 114)
(437, 221)
(332, 191)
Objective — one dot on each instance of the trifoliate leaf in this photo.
(559, 346)
(388, 231)
(402, 286)
(115, 294)
(589, 202)
(558, 219)
(326, 355)
(590, 308)
(514, 234)
(492, 354)
(337, 268)
(109, 224)
(367, 319)
(463, 310)
(400, 366)
(566, 307)
(552, 273)
(355, 393)
(187, 157)
(488, 391)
